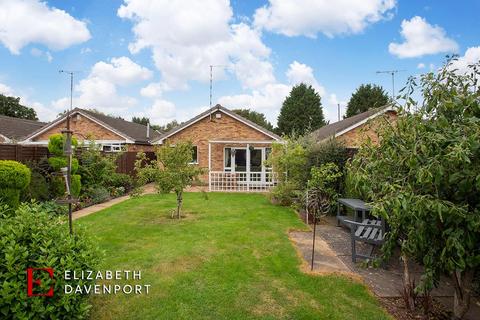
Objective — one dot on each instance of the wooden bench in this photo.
(369, 231)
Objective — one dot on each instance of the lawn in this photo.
(229, 258)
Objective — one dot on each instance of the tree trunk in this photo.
(462, 281)
(408, 289)
(179, 202)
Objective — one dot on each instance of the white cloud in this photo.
(99, 89)
(186, 37)
(471, 56)
(310, 17)
(33, 21)
(421, 66)
(6, 90)
(421, 38)
(269, 99)
(301, 73)
(121, 71)
(154, 89)
(39, 53)
(162, 111)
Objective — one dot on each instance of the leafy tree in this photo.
(254, 116)
(167, 127)
(11, 107)
(172, 171)
(301, 111)
(366, 97)
(424, 179)
(142, 120)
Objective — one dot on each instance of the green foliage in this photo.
(51, 246)
(97, 168)
(301, 111)
(14, 178)
(76, 185)
(285, 194)
(61, 162)
(11, 107)
(288, 160)
(38, 189)
(98, 194)
(324, 185)
(117, 180)
(142, 120)
(423, 178)
(56, 143)
(366, 97)
(255, 117)
(57, 186)
(53, 208)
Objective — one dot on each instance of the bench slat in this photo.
(373, 234)
(366, 233)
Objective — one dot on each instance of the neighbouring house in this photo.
(112, 134)
(13, 130)
(353, 131)
(230, 148)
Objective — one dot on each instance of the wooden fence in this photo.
(125, 163)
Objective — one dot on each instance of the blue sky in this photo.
(151, 58)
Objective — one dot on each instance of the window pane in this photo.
(228, 158)
(256, 160)
(194, 154)
(240, 160)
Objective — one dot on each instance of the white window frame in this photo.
(114, 147)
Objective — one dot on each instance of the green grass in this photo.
(229, 258)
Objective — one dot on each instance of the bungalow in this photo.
(354, 130)
(230, 148)
(16, 129)
(113, 134)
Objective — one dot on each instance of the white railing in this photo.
(241, 181)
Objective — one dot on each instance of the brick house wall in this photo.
(213, 128)
(354, 138)
(83, 129)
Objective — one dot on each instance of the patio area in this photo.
(333, 255)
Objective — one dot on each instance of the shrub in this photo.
(53, 208)
(56, 143)
(52, 246)
(117, 180)
(99, 194)
(96, 167)
(57, 186)
(61, 162)
(37, 189)
(14, 177)
(285, 194)
(325, 181)
(76, 185)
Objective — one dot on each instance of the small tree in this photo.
(366, 97)
(301, 111)
(424, 179)
(173, 170)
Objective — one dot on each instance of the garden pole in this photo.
(314, 231)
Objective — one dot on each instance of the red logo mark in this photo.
(31, 282)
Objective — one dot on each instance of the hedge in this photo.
(14, 177)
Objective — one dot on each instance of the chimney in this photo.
(148, 130)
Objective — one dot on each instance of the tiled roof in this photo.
(16, 129)
(336, 127)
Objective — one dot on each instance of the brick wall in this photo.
(224, 128)
(354, 138)
(83, 128)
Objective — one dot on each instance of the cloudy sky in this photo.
(151, 57)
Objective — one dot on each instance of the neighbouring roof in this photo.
(211, 111)
(16, 129)
(131, 131)
(340, 127)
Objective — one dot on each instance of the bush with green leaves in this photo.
(325, 180)
(39, 187)
(14, 178)
(424, 179)
(98, 194)
(51, 247)
(97, 168)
